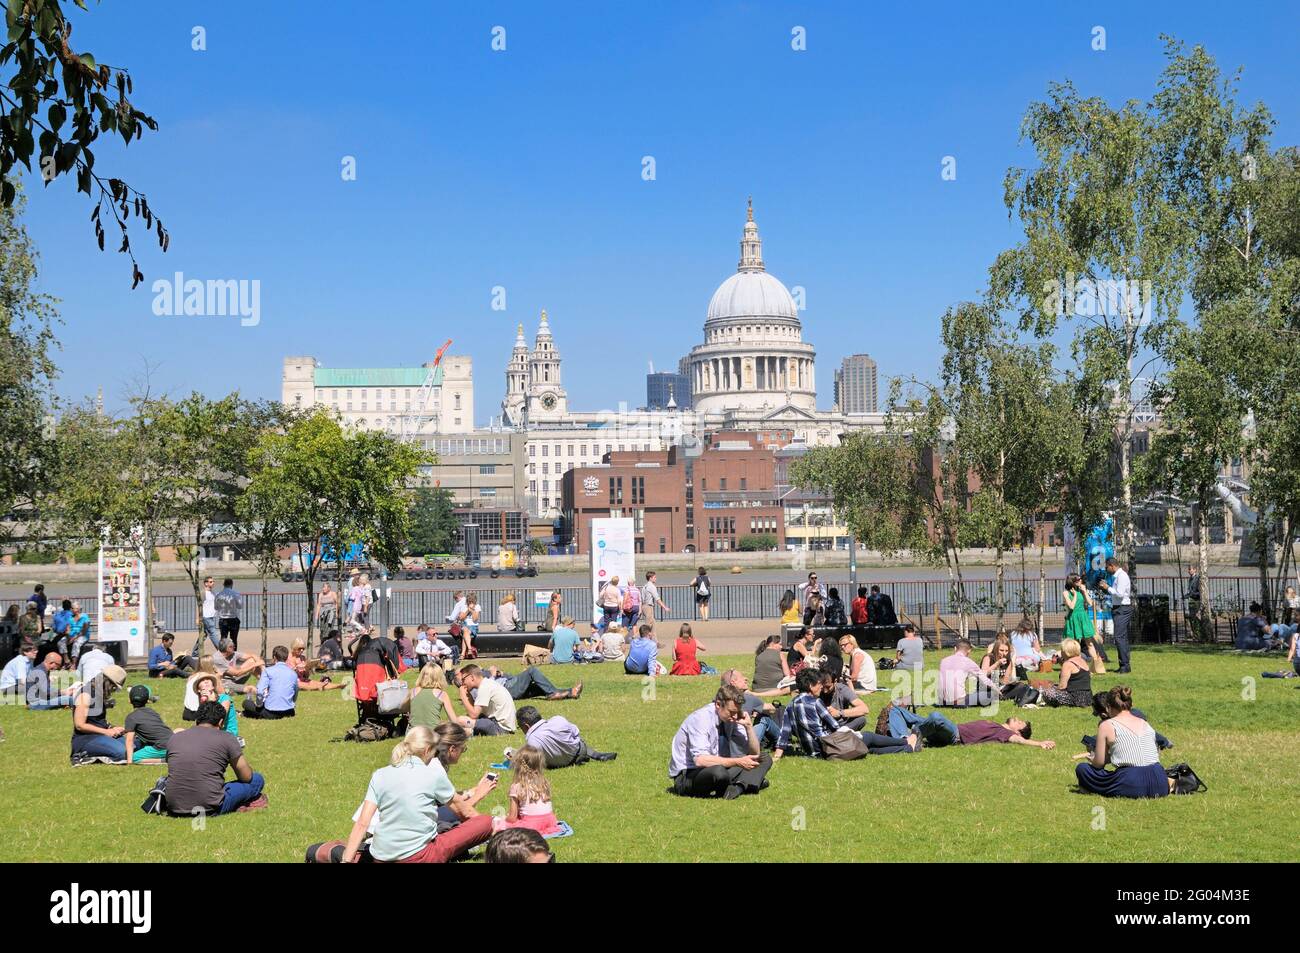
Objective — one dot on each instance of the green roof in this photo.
(375, 376)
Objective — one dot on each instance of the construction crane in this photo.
(414, 419)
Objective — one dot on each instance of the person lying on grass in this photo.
(1014, 731)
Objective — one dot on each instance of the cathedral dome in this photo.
(751, 294)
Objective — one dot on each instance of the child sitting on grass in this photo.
(530, 795)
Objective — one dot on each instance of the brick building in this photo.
(680, 503)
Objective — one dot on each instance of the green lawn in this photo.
(993, 802)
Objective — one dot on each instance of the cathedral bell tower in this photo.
(512, 408)
(546, 397)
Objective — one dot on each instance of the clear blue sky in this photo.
(523, 169)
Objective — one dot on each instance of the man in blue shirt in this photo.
(161, 663)
(277, 689)
(563, 641)
(642, 653)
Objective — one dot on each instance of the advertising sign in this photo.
(613, 553)
(122, 598)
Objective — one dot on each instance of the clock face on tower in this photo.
(548, 401)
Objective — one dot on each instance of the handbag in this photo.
(393, 695)
(1185, 779)
(156, 801)
(843, 746)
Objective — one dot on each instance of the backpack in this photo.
(1185, 779)
(702, 586)
(156, 801)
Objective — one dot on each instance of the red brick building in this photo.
(706, 503)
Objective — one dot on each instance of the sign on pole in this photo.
(122, 597)
(613, 553)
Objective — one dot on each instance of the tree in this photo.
(1104, 245)
(207, 453)
(433, 521)
(41, 71)
(27, 371)
(757, 543)
(1202, 416)
(322, 486)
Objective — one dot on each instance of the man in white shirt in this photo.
(1121, 609)
(93, 662)
(209, 616)
(487, 703)
(715, 751)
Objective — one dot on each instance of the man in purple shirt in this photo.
(1014, 731)
(954, 673)
(558, 739)
(715, 751)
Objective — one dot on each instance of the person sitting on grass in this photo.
(147, 735)
(488, 705)
(93, 662)
(277, 690)
(843, 703)
(303, 666)
(1014, 731)
(13, 678)
(1100, 710)
(610, 646)
(407, 794)
(563, 641)
(429, 699)
(93, 738)
(162, 664)
(642, 653)
(762, 713)
(955, 673)
(207, 688)
(332, 658)
(196, 769)
(1074, 687)
(684, 649)
(41, 695)
(861, 667)
(770, 668)
(1254, 633)
(1026, 649)
(715, 752)
(558, 739)
(806, 720)
(530, 795)
(405, 647)
(909, 652)
(1129, 743)
(518, 845)
(236, 668)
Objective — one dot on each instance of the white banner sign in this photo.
(613, 553)
(122, 598)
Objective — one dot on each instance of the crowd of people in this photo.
(809, 696)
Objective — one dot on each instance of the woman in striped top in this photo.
(1129, 743)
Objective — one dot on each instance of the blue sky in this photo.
(522, 169)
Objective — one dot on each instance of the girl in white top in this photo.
(860, 666)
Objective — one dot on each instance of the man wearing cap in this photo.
(147, 736)
(41, 695)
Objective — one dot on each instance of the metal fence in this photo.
(919, 599)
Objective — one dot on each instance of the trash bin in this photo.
(117, 649)
(1151, 622)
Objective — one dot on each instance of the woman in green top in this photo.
(430, 701)
(1078, 624)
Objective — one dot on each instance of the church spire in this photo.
(751, 246)
(520, 343)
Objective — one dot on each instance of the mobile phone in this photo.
(491, 775)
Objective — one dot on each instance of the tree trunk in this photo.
(1263, 547)
(265, 629)
(1001, 596)
(1205, 622)
(1042, 590)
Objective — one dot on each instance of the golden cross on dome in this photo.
(751, 208)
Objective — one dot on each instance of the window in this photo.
(363, 393)
(532, 487)
(457, 421)
(487, 469)
(584, 449)
(557, 449)
(743, 483)
(546, 486)
(532, 449)
(456, 404)
(570, 449)
(722, 483)
(546, 449)
(487, 491)
(704, 484)
(532, 469)
(663, 545)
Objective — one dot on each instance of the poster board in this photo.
(613, 553)
(122, 598)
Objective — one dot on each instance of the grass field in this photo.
(992, 802)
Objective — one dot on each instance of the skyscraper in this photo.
(855, 385)
(663, 385)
